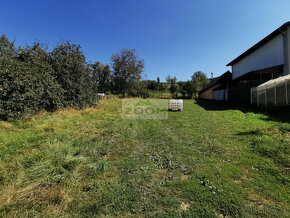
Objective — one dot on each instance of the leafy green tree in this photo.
(48, 93)
(27, 84)
(101, 75)
(199, 80)
(160, 86)
(171, 80)
(186, 89)
(127, 70)
(14, 88)
(33, 79)
(73, 74)
(173, 88)
(139, 89)
(158, 80)
(152, 85)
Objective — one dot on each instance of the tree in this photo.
(47, 92)
(139, 89)
(186, 89)
(14, 83)
(170, 80)
(73, 74)
(152, 85)
(199, 80)
(160, 86)
(33, 79)
(174, 89)
(127, 70)
(27, 84)
(101, 75)
(173, 86)
(158, 80)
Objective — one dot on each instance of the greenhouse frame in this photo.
(275, 92)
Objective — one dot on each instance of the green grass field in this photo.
(207, 161)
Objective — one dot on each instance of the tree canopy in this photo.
(199, 81)
(102, 77)
(127, 70)
(34, 79)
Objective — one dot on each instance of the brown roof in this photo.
(212, 82)
(260, 43)
(215, 81)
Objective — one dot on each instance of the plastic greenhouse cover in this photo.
(277, 80)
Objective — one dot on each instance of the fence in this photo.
(274, 92)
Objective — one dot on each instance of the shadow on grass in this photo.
(278, 113)
(254, 132)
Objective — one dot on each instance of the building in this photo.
(217, 89)
(266, 60)
(272, 93)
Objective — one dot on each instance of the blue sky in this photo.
(176, 37)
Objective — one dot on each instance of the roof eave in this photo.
(259, 44)
(217, 79)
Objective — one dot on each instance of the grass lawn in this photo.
(206, 161)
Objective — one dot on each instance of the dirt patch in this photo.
(8, 126)
(184, 177)
(237, 181)
(184, 206)
(259, 201)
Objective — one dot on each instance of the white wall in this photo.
(269, 55)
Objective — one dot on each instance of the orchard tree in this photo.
(33, 79)
(73, 74)
(159, 85)
(199, 81)
(48, 93)
(14, 82)
(173, 88)
(171, 80)
(127, 70)
(186, 89)
(101, 75)
(27, 81)
(152, 85)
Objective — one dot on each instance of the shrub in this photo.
(17, 96)
(73, 74)
(48, 93)
(33, 79)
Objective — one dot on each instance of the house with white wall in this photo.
(217, 89)
(266, 60)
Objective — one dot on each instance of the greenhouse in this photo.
(271, 93)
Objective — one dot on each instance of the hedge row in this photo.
(34, 79)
